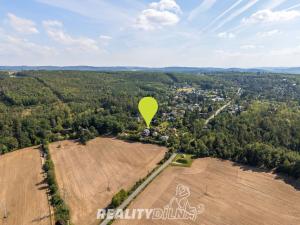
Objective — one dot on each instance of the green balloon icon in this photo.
(148, 107)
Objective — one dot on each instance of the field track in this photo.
(89, 176)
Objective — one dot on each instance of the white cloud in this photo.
(286, 51)
(23, 48)
(293, 7)
(274, 3)
(235, 4)
(151, 19)
(116, 14)
(158, 15)
(105, 40)
(163, 5)
(204, 6)
(226, 35)
(55, 32)
(262, 58)
(223, 53)
(268, 33)
(248, 47)
(269, 16)
(22, 25)
(52, 23)
(236, 14)
(105, 37)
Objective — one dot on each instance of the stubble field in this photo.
(22, 190)
(230, 194)
(89, 175)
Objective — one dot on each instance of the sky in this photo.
(152, 33)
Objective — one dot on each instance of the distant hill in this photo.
(287, 70)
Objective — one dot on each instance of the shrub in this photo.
(118, 198)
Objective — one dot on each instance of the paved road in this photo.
(142, 186)
(161, 168)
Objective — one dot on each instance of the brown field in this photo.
(89, 176)
(22, 190)
(232, 195)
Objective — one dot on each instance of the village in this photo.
(183, 101)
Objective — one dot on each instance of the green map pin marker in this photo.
(148, 107)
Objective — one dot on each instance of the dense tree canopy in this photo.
(264, 130)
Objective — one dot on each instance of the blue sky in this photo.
(156, 33)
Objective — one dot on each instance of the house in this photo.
(154, 134)
(146, 133)
(164, 138)
(218, 99)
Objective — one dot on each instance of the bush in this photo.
(62, 214)
(48, 165)
(183, 161)
(118, 198)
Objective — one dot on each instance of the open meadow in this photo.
(89, 175)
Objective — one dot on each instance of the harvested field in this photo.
(22, 191)
(89, 175)
(231, 195)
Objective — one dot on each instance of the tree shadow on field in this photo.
(139, 142)
(289, 180)
(42, 185)
(39, 219)
(278, 176)
(130, 141)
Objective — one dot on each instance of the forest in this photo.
(47, 106)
